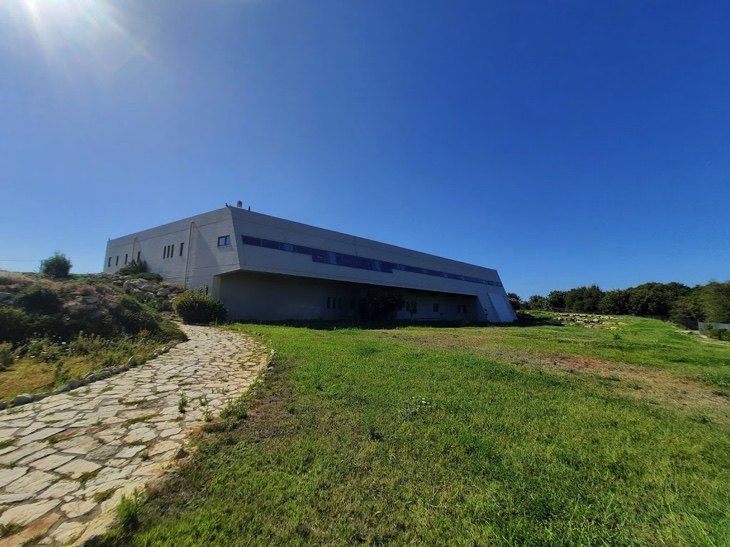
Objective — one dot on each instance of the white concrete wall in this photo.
(276, 261)
(202, 260)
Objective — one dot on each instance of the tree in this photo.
(687, 310)
(556, 299)
(537, 302)
(515, 300)
(614, 302)
(716, 302)
(655, 299)
(56, 266)
(583, 299)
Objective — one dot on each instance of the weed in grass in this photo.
(53, 439)
(6, 443)
(104, 495)
(10, 529)
(144, 455)
(204, 408)
(413, 407)
(182, 403)
(235, 409)
(106, 389)
(97, 423)
(700, 418)
(128, 510)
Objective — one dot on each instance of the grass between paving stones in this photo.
(104, 495)
(10, 529)
(421, 436)
(139, 419)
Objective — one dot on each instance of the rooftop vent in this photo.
(239, 204)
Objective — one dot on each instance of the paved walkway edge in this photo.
(67, 460)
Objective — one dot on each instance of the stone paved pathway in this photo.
(66, 460)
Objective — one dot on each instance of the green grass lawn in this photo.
(539, 435)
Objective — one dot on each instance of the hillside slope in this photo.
(55, 331)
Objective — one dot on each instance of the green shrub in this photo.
(15, 325)
(128, 510)
(134, 316)
(197, 307)
(149, 276)
(170, 332)
(56, 267)
(139, 270)
(133, 268)
(6, 355)
(37, 299)
(720, 334)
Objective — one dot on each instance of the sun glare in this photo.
(72, 34)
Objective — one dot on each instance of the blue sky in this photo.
(563, 143)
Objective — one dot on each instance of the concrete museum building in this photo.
(266, 268)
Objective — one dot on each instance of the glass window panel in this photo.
(251, 240)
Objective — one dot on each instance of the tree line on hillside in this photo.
(673, 301)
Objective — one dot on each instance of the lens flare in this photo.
(71, 35)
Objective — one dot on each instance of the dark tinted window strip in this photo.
(358, 262)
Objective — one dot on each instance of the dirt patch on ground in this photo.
(647, 384)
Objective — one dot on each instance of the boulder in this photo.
(22, 399)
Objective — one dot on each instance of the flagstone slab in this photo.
(78, 467)
(9, 475)
(31, 482)
(40, 435)
(49, 463)
(36, 455)
(81, 444)
(67, 532)
(61, 489)
(140, 435)
(78, 508)
(27, 512)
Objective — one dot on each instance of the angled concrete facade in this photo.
(266, 268)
